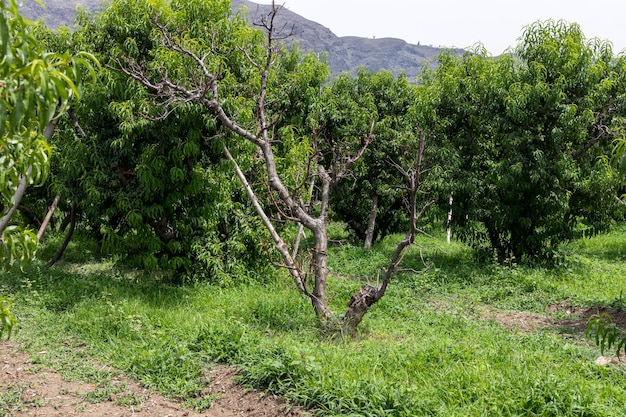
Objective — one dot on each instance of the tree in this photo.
(241, 86)
(370, 201)
(35, 88)
(151, 184)
(524, 133)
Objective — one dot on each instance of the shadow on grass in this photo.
(60, 289)
(611, 250)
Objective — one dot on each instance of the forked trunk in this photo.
(358, 305)
(368, 295)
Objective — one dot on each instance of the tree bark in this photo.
(280, 245)
(320, 272)
(23, 183)
(371, 224)
(30, 215)
(449, 222)
(65, 222)
(360, 303)
(46, 220)
(17, 197)
(298, 239)
(68, 237)
(163, 230)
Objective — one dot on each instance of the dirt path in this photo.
(27, 390)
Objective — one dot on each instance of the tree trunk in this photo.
(23, 183)
(369, 237)
(368, 295)
(46, 220)
(68, 238)
(17, 197)
(358, 305)
(449, 222)
(320, 271)
(296, 243)
(30, 215)
(163, 230)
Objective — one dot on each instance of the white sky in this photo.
(461, 23)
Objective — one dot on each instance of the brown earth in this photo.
(568, 318)
(28, 390)
(561, 315)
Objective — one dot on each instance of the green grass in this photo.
(426, 349)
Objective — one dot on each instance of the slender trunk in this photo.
(300, 235)
(497, 245)
(296, 243)
(30, 215)
(369, 237)
(49, 130)
(449, 222)
(46, 220)
(65, 222)
(360, 302)
(280, 245)
(17, 197)
(68, 238)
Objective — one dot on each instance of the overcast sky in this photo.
(461, 23)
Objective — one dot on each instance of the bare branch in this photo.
(178, 47)
(17, 197)
(46, 220)
(341, 169)
(281, 246)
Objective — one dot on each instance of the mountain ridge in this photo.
(345, 54)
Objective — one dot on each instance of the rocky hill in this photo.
(344, 53)
(347, 53)
(57, 12)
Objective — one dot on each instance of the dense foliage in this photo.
(517, 140)
(524, 134)
(152, 187)
(35, 88)
(371, 199)
(520, 143)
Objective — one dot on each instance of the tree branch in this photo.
(280, 244)
(17, 197)
(46, 220)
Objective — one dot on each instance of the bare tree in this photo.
(310, 279)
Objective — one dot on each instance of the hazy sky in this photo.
(461, 23)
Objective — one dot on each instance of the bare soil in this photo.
(27, 390)
(562, 315)
(566, 317)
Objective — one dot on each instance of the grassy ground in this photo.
(428, 348)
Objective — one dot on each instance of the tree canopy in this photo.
(524, 133)
(205, 144)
